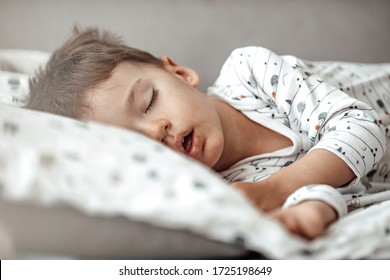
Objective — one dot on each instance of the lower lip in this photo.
(195, 146)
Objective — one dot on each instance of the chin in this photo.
(212, 151)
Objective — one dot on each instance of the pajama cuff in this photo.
(321, 192)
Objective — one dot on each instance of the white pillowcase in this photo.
(16, 65)
(104, 170)
(13, 88)
(22, 61)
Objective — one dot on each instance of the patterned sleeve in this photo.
(327, 116)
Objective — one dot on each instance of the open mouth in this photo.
(187, 141)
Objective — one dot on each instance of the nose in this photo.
(158, 130)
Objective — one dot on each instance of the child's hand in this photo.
(308, 218)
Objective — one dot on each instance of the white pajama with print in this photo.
(338, 106)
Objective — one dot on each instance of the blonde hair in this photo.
(86, 59)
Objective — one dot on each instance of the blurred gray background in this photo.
(202, 33)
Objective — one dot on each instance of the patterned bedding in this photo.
(106, 171)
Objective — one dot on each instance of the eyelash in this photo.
(152, 100)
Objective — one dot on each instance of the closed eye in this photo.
(152, 100)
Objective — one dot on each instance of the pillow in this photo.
(22, 61)
(15, 68)
(107, 171)
(13, 88)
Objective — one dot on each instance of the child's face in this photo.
(163, 104)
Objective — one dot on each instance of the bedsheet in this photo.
(104, 171)
(78, 166)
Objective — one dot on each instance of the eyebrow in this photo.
(134, 87)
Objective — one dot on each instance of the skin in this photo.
(165, 104)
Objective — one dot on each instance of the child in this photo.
(269, 124)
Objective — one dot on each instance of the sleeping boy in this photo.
(270, 125)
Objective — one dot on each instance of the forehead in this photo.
(98, 96)
(127, 68)
(114, 91)
(123, 72)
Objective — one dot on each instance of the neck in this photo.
(244, 138)
(238, 133)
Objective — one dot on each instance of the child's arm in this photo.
(317, 167)
(308, 218)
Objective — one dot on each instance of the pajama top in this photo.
(337, 106)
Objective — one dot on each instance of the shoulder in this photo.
(246, 60)
(241, 61)
(249, 53)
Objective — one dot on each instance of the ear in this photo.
(187, 74)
